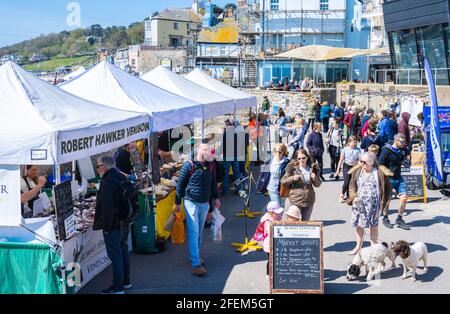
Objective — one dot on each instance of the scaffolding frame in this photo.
(249, 16)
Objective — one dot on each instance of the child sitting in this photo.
(293, 214)
(274, 211)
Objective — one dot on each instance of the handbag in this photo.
(284, 190)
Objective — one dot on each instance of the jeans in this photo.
(347, 178)
(195, 216)
(334, 159)
(306, 212)
(275, 197)
(325, 123)
(310, 123)
(116, 242)
(236, 174)
(319, 160)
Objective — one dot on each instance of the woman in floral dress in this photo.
(369, 193)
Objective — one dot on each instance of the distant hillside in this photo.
(78, 42)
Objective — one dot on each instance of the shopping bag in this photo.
(144, 229)
(263, 181)
(178, 236)
(216, 226)
(169, 224)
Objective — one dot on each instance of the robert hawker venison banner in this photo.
(76, 145)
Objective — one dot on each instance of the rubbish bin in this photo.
(144, 229)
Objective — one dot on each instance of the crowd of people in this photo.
(305, 85)
(368, 149)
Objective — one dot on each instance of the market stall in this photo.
(44, 125)
(171, 101)
(214, 104)
(241, 100)
(108, 85)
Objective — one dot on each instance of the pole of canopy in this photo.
(203, 124)
(57, 174)
(151, 179)
(74, 169)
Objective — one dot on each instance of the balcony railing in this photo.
(411, 76)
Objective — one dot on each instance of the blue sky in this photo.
(25, 19)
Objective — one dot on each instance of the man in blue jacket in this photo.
(196, 184)
(388, 127)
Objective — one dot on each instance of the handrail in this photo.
(411, 76)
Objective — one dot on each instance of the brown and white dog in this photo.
(411, 255)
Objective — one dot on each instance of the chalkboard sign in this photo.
(64, 209)
(415, 182)
(296, 258)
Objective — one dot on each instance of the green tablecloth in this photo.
(28, 269)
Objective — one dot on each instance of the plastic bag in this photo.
(169, 224)
(216, 226)
(178, 235)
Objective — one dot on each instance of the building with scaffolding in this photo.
(274, 26)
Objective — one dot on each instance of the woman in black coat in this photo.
(316, 147)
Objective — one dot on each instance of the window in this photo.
(274, 5)
(431, 45)
(175, 25)
(324, 5)
(174, 42)
(405, 56)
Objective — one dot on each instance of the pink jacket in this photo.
(267, 219)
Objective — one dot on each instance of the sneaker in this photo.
(332, 176)
(387, 223)
(110, 290)
(127, 286)
(199, 271)
(401, 224)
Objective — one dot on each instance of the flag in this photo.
(435, 131)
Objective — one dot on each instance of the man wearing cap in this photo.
(393, 156)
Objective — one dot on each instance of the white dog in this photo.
(411, 255)
(370, 258)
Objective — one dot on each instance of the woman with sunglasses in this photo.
(369, 194)
(278, 165)
(301, 177)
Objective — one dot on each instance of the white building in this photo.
(122, 58)
(373, 12)
(288, 23)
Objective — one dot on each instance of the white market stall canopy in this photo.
(43, 125)
(109, 85)
(242, 100)
(214, 104)
(74, 74)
